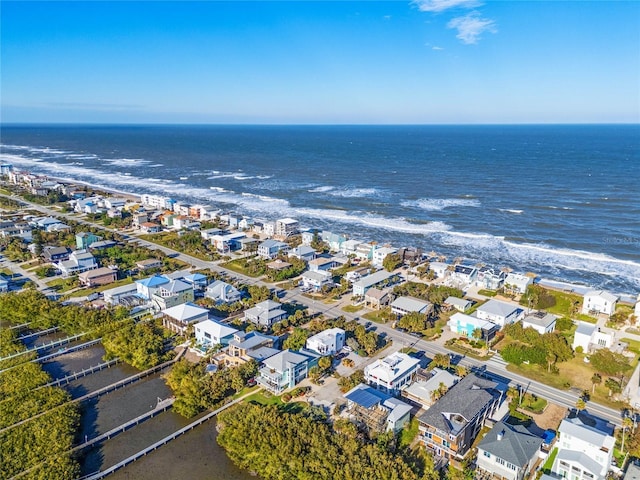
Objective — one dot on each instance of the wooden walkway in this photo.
(81, 373)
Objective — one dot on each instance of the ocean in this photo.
(559, 200)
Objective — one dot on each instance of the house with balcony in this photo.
(424, 393)
(227, 242)
(450, 426)
(172, 293)
(490, 278)
(334, 240)
(380, 253)
(459, 304)
(244, 347)
(500, 313)
(585, 447)
(303, 252)
(599, 301)
(85, 239)
(464, 324)
(98, 276)
(56, 254)
(392, 373)
(517, 283)
(286, 369)
(376, 298)
(374, 280)
(146, 287)
(222, 292)
(210, 333)
(270, 249)
(285, 227)
(508, 452)
(265, 314)
(316, 280)
(464, 275)
(178, 318)
(375, 411)
(321, 264)
(327, 342)
(403, 305)
(79, 261)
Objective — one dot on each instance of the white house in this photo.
(542, 322)
(361, 286)
(508, 452)
(79, 261)
(464, 274)
(147, 286)
(179, 317)
(599, 301)
(227, 242)
(490, 278)
(439, 268)
(270, 249)
(500, 313)
(636, 311)
(286, 227)
(585, 448)
(589, 337)
(517, 283)
(316, 280)
(349, 247)
(403, 305)
(222, 292)
(209, 333)
(303, 252)
(327, 342)
(392, 373)
(463, 324)
(380, 253)
(459, 304)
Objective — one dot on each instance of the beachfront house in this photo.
(450, 426)
(425, 393)
(517, 283)
(490, 278)
(541, 322)
(327, 342)
(380, 253)
(375, 411)
(585, 447)
(210, 333)
(508, 452)
(374, 280)
(392, 373)
(463, 275)
(599, 301)
(285, 227)
(403, 305)
(500, 313)
(179, 317)
(265, 314)
(286, 369)
(221, 292)
(269, 249)
(440, 269)
(334, 240)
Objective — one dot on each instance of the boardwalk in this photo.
(164, 441)
(81, 373)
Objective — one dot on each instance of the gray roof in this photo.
(423, 389)
(594, 435)
(466, 398)
(281, 361)
(496, 307)
(272, 243)
(585, 328)
(410, 304)
(376, 293)
(517, 445)
(582, 459)
(541, 319)
(374, 278)
(263, 353)
(602, 293)
(460, 302)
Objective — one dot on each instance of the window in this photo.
(487, 454)
(511, 466)
(500, 461)
(206, 335)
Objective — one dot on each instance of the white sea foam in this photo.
(218, 189)
(323, 188)
(435, 204)
(126, 162)
(353, 192)
(511, 210)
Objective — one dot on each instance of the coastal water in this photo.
(561, 201)
(195, 455)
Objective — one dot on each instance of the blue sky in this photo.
(427, 61)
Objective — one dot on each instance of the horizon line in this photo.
(257, 124)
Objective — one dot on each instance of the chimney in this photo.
(500, 435)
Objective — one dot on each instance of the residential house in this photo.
(542, 322)
(379, 254)
(334, 240)
(321, 264)
(425, 393)
(230, 220)
(463, 324)
(126, 295)
(209, 233)
(410, 255)
(210, 333)
(79, 261)
(56, 254)
(517, 283)
(157, 201)
(48, 224)
(138, 219)
(364, 251)
(197, 280)
(285, 227)
(376, 298)
(248, 244)
(102, 245)
(459, 304)
(636, 310)
(327, 342)
(265, 314)
(349, 247)
(464, 275)
(172, 293)
(589, 337)
(182, 222)
(585, 448)
(403, 305)
(99, 276)
(308, 236)
(286, 369)
(303, 252)
(179, 317)
(148, 264)
(150, 227)
(500, 313)
(270, 249)
(222, 292)
(599, 301)
(392, 373)
(508, 452)
(450, 426)
(245, 224)
(228, 242)
(316, 280)
(269, 229)
(376, 411)
(490, 278)
(278, 265)
(84, 239)
(244, 347)
(115, 202)
(374, 280)
(440, 269)
(147, 286)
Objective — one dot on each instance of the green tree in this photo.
(391, 262)
(609, 363)
(596, 379)
(296, 340)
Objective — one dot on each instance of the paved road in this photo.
(495, 367)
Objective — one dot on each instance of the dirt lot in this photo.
(550, 418)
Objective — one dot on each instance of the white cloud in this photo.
(436, 48)
(442, 5)
(471, 27)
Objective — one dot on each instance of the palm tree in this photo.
(596, 379)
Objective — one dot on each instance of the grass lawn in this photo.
(409, 432)
(548, 465)
(564, 305)
(467, 352)
(264, 398)
(352, 308)
(487, 293)
(634, 345)
(533, 403)
(60, 285)
(6, 272)
(236, 266)
(86, 291)
(408, 350)
(374, 316)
